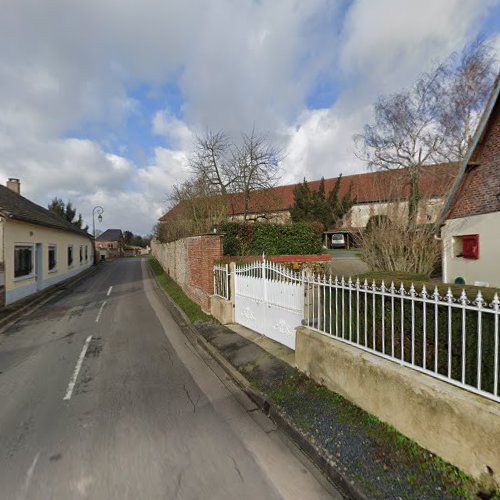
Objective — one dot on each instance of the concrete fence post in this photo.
(232, 284)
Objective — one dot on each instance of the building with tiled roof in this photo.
(110, 244)
(38, 248)
(375, 193)
(471, 215)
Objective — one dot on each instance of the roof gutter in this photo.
(479, 132)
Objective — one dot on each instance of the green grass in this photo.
(193, 311)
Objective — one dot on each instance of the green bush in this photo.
(271, 239)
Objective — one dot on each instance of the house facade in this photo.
(471, 217)
(110, 244)
(38, 249)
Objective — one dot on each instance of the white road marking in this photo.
(29, 474)
(78, 366)
(100, 312)
(109, 291)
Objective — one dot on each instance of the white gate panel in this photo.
(269, 299)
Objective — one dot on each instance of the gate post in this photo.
(264, 278)
(232, 281)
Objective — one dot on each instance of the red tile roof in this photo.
(387, 185)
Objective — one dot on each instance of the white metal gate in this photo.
(269, 299)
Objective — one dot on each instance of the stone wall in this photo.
(189, 262)
(457, 425)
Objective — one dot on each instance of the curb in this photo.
(41, 299)
(318, 457)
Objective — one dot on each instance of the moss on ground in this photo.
(193, 311)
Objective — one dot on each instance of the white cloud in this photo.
(67, 66)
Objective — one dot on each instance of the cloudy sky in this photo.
(99, 99)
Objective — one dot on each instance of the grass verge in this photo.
(193, 311)
(320, 412)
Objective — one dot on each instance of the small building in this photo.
(470, 220)
(38, 248)
(110, 244)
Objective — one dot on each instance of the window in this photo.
(52, 258)
(70, 255)
(23, 260)
(81, 254)
(86, 253)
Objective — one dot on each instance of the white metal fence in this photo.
(449, 338)
(221, 281)
(454, 339)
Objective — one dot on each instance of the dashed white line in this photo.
(100, 312)
(29, 474)
(72, 382)
(109, 291)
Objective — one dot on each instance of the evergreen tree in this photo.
(67, 212)
(318, 206)
(338, 208)
(301, 210)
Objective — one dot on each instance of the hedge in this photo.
(271, 239)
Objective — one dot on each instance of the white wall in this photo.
(486, 269)
(16, 232)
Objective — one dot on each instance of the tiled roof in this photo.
(111, 235)
(15, 206)
(477, 186)
(380, 186)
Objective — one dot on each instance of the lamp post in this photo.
(99, 211)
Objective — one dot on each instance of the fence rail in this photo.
(221, 281)
(449, 338)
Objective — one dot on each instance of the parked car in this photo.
(338, 241)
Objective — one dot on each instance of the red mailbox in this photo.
(470, 246)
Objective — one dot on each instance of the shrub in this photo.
(271, 239)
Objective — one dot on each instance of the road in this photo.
(103, 397)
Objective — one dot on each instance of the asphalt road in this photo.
(140, 413)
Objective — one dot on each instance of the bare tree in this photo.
(212, 159)
(255, 166)
(468, 79)
(432, 122)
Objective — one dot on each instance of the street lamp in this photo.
(99, 211)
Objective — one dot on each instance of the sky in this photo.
(100, 100)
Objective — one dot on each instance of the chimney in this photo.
(14, 185)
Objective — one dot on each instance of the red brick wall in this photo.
(479, 190)
(190, 262)
(202, 252)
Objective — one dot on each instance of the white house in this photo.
(471, 216)
(37, 247)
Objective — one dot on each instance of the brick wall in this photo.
(189, 262)
(479, 190)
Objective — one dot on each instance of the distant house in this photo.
(38, 248)
(376, 193)
(110, 244)
(471, 216)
